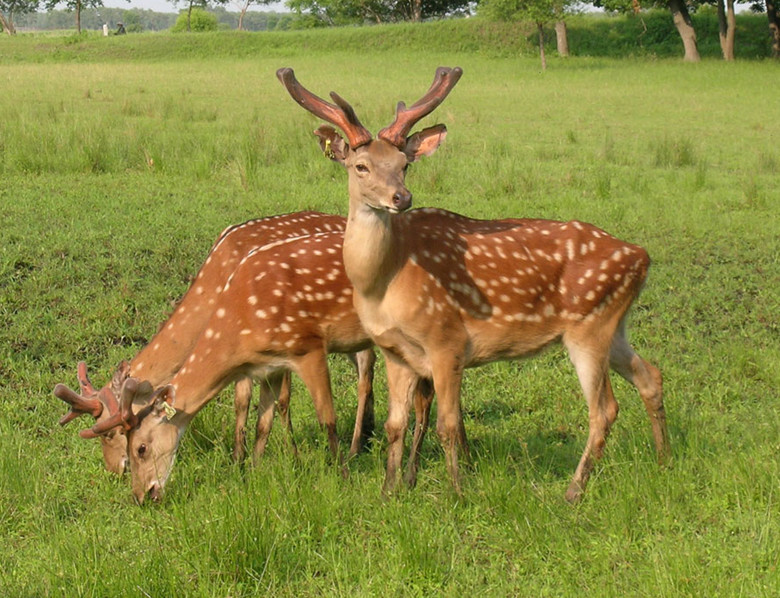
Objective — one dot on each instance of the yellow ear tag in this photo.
(169, 410)
(329, 152)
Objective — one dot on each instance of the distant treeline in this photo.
(652, 33)
(136, 20)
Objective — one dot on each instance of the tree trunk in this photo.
(416, 11)
(541, 46)
(241, 16)
(189, 16)
(726, 28)
(8, 24)
(562, 38)
(78, 17)
(682, 20)
(773, 14)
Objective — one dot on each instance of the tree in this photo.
(204, 4)
(538, 12)
(680, 15)
(243, 6)
(9, 8)
(74, 6)
(197, 20)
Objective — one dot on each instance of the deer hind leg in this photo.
(401, 385)
(283, 408)
(648, 381)
(364, 417)
(590, 362)
(269, 390)
(313, 370)
(243, 396)
(447, 378)
(423, 398)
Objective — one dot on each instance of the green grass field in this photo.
(118, 172)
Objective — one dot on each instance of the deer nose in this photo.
(402, 200)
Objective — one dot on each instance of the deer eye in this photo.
(361, 167)
(141, 450)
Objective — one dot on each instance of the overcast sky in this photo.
(165, 6)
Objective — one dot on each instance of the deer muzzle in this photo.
(402, 200)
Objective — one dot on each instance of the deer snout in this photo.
(402, 200)
(154, 492)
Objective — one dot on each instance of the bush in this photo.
(200, 20)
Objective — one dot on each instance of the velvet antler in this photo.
(405, 118)
(342, 115)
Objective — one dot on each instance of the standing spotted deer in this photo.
(439, 292)
(285, 307)
(162, 357)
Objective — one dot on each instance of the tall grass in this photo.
(117, 176)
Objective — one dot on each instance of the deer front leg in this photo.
(423, 398)
(447, 379)
(243, 396)
(364, 417)
(401, 385)
(313, 370)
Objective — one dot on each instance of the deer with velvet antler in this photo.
(164, 355)
(439, 292)
(284, 308)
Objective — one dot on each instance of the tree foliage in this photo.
(197, 20)
(195, 4)
(344, 12)
(534, 11)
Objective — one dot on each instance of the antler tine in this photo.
(405, 118)
(342, 115)
(84, 383)
(78, 405)
(123, 417)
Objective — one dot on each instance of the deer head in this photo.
(377, 167)
(153, 441)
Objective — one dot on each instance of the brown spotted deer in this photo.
(164, 354)
(285, 307)
(439, 292)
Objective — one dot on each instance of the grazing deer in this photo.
(439, 292)
(165, 353)
(284, 307)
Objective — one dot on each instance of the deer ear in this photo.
(163, 400)
(425, 142)
(331, 143)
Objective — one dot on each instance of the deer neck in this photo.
(159, 360)
(373, 249)
(194, 387)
